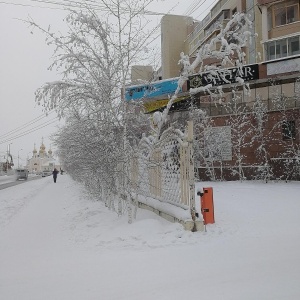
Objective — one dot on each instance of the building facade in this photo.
(252, 135)
(263, 126)
(174, 32)
(41, 160)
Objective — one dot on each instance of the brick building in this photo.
(267, 119)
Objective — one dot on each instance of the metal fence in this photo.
(164, 169)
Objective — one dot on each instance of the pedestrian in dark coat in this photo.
(54, 173)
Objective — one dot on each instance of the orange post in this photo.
(207, 205)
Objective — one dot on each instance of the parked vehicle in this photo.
(46, 173)
(21, 174)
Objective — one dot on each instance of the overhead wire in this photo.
(190, 7)
(29, 5)
(75, 4)
(194, 6)
(47, 123)
(19, 131)
(208, 8)
(29, 123)
(70, 4)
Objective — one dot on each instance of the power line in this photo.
(52, 121)
(208, 8)
(194, 6)
(74, 5)
(190, 7)
(28, 5)
(25, 125)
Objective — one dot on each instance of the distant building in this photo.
(6, 166)
(41, 160)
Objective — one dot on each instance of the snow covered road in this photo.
(57, 244)
(10, 180)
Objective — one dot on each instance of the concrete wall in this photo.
(174, 32)
(138, 73)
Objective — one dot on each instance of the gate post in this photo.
(190, 140)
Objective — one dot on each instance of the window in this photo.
(269, 20)
(294, 46)
(288, 130)
(292, 14)
(285, 13)
(280, 16)
(271, 50)
(226, 14)
(283, 48)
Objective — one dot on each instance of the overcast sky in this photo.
(24, 59)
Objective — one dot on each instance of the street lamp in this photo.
(28, 162)
(19, 158)
(8, 154)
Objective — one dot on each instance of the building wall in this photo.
(281, 28)
(141, 73)
(208, 27)
(263, 2)
(279, 80)
(284, 30)
(278, 87)
(279, 150)
(174, 31)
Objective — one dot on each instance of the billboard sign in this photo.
(152, 106)
(224, 76)
(151, 90)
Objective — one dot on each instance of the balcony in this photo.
(265, 2)
(208, 18)
(206, 34)
(288, 46)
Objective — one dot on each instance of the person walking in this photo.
(54, 173)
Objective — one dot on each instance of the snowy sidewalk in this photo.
(45, 252)
(57, 245)
(33, 245)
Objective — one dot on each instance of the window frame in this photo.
(288, 129)
(285, 6)
(282, 44)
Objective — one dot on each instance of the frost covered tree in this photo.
(227, 48)
(241, 130)
(94, 58)
(260, 138)
(285, 131)
(209, 144)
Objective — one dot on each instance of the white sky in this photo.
(24, 59)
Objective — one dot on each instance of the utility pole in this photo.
(8, 154)
(19, 158)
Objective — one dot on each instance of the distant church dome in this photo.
(34, 150)
(42, 148)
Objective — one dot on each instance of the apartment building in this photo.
(273, 64)
(274, 61)
(218, 17)
(281, 28)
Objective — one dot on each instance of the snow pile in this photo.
(61, 245)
